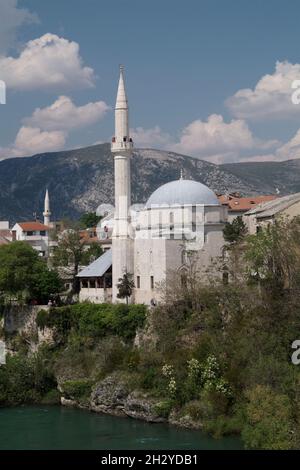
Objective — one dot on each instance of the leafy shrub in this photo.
(194, 409)
(24, 380)
(131, 360)
(94, 320)
(268, 420)
(51, 398)
(148, 378)
(77, 389)
(163, 408)
(42, 319)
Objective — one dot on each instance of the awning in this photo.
(98, 267)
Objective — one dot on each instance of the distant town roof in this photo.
(88, 235)
(271, 208)
(99, 266)
(32, 226)
(243, 204)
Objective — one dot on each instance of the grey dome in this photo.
(104, 209)
(181, 192)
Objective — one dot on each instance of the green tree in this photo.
(71, 252)
(17, 265)
(89, 220)
(235, 231)
(92, 253)
(68, 254)
(24, 275)
(273, 257)
(268, 420)
(46, 284)
(125, 287)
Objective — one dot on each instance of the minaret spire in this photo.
(47, 212)
(121, 140)
(121, 102)
(121, 147)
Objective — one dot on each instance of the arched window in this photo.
(171, 224)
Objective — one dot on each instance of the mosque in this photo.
(182, 219)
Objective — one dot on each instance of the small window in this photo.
(84, 284)
(43, 233)
(171, 217)
(225, 278)
(92, 284)
(194, 209)
(152, 282)
(29, 233)
(183, 280)
(138, 282)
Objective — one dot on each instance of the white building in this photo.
(266, 213)
(35, 233)
(152, 241)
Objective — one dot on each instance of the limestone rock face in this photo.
(109, 396)
(142, 407)
(112, 396)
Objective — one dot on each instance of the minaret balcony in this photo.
(121, 145)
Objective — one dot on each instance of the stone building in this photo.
(266, 213)
(238, 205)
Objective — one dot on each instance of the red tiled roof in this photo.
(32, 226)
(244, 204)
(89, 235)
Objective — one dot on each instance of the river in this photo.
(54, 427)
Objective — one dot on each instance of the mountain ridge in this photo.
(81, 179)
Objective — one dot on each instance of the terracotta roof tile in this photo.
(32, 226)
(244, 204)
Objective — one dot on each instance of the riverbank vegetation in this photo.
(216, 356)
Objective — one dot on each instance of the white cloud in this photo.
(65, 115)
(12, 18)
(47, 62)
(214, 140)
(48, 128)
(153, 137)
(271, 98)
(290, 149)
(31, 140)
(218, 141)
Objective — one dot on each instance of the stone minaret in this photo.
(47, 212)
(122, 145)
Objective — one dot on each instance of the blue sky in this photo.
(188, 64)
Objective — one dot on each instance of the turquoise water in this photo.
(39, 427)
